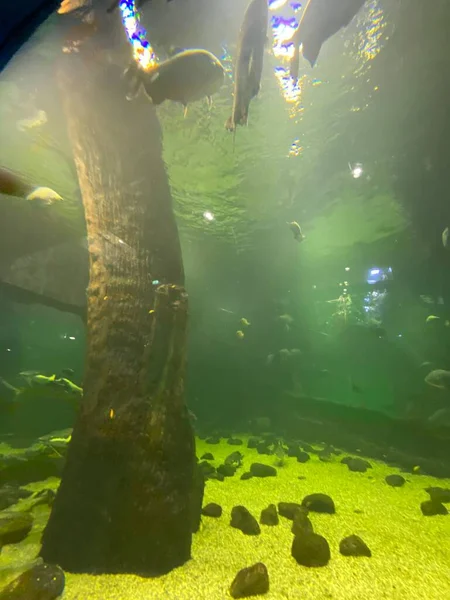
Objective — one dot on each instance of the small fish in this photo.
(8, 394)
(240, 334)
(244, 322)
(249, 61)
(36, 378)
(439, 378)
(40, 118)
(432, 318)
(296, 230)
(320, 20)
(69, 386)
(286, 320)
(43, 196)
(68, 6)
(225, 310)
(445, 235)
(184, 78)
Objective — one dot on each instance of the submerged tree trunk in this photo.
(126, 501)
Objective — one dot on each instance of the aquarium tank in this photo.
(224, 300)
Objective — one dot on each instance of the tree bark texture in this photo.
(127, 497)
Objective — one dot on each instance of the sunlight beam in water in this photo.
(143, 52)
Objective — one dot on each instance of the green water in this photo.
(359, 158)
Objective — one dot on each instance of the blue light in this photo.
(377, 274)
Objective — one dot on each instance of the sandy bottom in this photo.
(410, 552)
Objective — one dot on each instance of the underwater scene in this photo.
(225, 301)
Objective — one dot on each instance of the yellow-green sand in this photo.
(410, 552)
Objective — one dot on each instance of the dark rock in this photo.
(234, 442)
(207, 456)
(439, 494)
(269, 515)
(301, 524)
(307, 447)
(302, 477)
(302, 457)
(14, 527)
(216, 475)
(321, 503)
(270, 439)
(293, 450)
(235, 458)
(358, 465)
(212, 510)
(311, 550)
(289, 509)
(242, 519)
(42, 582)
(252, 442)
(346, 460)
(226, 470)
(395, 480)
(206, 468)
(260, 470)
(212, 440)
(353, 545)
(10, 494)
(246, 475)
(430, 508)
(251, 581)
(263, 448)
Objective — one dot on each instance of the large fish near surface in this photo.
(249, 62)
(320, 20)
(186, 77)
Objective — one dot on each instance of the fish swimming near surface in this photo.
(13, 184)
(186, 77)
(249, 61)
(320, 20)
(432, 319)
(439, 378)
(297, 231)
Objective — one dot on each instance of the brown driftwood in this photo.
(129, 494)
